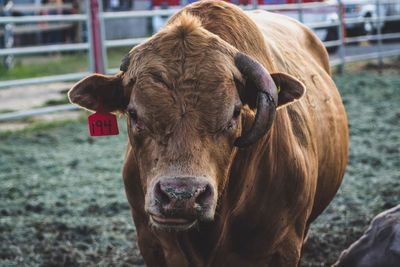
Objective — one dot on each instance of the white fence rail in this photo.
(43, 49)
(338, 26)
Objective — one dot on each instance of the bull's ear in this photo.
(289, 88)
(96, 88)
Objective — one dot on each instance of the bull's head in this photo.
(190, 99)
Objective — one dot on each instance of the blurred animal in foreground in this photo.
(379, 246)
(238, 137)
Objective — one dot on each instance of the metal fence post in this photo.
(379, 32)
(8, 35)
(96, 39)
(300, 10)
(103, 37)
(255, 4)
(342, 37)
(89, 38)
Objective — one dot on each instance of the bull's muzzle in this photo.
(179, 202)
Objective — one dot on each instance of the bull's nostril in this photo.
(161, 195)
(204, 196)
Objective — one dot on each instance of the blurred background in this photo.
(51, 41)
(62, 201)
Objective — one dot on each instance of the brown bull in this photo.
(238, 137)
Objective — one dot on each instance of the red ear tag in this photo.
(102, 124)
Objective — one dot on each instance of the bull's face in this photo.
(184, 93)
(183, 123)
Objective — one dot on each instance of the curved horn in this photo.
(267, 98)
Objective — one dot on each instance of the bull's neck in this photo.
(248, 171)
(200, 249)
(243, 185)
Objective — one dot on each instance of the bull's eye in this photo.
(231, 125)
(133, 116)
(233, 122)
(136, 123)
(236, 112)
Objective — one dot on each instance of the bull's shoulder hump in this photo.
(287, 36)
(281, 28)
(270, 20)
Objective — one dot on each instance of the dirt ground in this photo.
(62, 201)
(26, 97)
(30, 97)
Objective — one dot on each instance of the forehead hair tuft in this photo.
(184, 25)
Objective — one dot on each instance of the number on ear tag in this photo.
(102, 124)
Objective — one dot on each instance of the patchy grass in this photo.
(6, 110)
(36, 66)
(372, 180)
(43, 125)
(54, 102)
(55, 64)
(62, 201)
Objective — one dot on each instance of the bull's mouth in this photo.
(178, 224)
